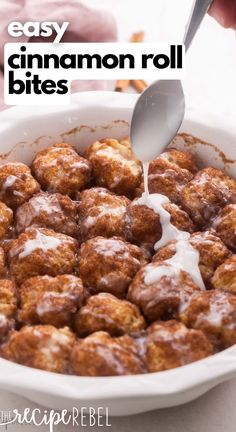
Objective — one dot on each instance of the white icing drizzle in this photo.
(186, 257)
(46, 305)
(145, 178)
(10, 180)
(17, 193)
(44, 204)
(156, 202)
(105, 210)
(111, 247)
(3, 320)
(54, 344)
(79, 164)
(112, 153)
(42, 242)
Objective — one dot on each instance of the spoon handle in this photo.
(199, 10)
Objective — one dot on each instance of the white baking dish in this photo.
(90, 116)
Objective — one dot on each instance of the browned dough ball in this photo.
(52, 211)
(181, 159)
(101, 213)
(212, 253)
(60, 169)
(41, 347)
(213, 312)
(17, 184)
(143, 225)
(105, 312)
(164, 298)
(51, 300)
(6, 220)
(206, 194)
(169, 173)
(8, 306)
(225, 226)
(40, 251)
(2, 262)
(109, 265)
(115, 166)
(224, 278)
(101, 355)
(170, 344)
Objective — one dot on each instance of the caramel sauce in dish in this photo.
(186, 257)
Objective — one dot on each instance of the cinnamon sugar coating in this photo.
(105, 312)
(51, 300)
(101, 355)
(6, 220)
(224, 278)
(169, 173)
(17, 184)
(206, 194)
(165, 298)
(170, 344)
(60, 169)
(42, 347)
(39, 251)
(2, 262)
(213, 312)
(115, 167)
(52, 211)
(109, 265)
(101, 213)
(8, 307)
(225, 226)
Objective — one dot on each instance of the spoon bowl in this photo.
(157, 117)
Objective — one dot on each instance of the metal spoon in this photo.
(159, 111)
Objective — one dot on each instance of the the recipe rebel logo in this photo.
(41, 74)
(76, 417)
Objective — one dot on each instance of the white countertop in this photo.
(210, 85)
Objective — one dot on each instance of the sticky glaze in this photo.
(42, 242)
(186, 257)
